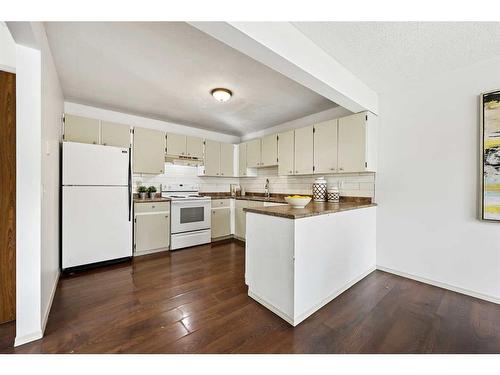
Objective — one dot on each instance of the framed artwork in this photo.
(490, 156)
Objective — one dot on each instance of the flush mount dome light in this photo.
(221, 95)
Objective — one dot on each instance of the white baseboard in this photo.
(28, 338)
(332, 296)
(49, 305)
(295, 321)
(441, 285)
(147, 252)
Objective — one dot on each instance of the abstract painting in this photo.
(490, 155)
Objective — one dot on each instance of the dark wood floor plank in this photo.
(195, 301)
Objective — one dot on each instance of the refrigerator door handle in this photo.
(129, 184)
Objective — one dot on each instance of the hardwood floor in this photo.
(195, 301)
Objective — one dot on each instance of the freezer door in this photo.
(85, 164)
(95, 225)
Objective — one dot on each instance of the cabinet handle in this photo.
(341, 169)
(182, 153)
(296, 171)
(104, 144)
(152, 206)
(166, 216)
(222, 174)
(290, 171)
(332, 169)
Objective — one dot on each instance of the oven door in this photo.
(188, 216)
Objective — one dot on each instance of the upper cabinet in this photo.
(184, 146)
(117, 135)
(286, 152)
(149, 151)
(242, 159)
(325, 147)
(262, 152)
(253, 153)
(357, 141)
(269, 150)
(219, 159)
(81, 129)
(194, 147)
(176, 144)
(226, 159)
(304, 143)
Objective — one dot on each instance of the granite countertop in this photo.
(151, 200)
(312, 209)
(274, 198)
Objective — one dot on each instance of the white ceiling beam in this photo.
(282, 47)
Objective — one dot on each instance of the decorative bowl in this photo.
(298, 201)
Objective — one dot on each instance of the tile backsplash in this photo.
(351, 184)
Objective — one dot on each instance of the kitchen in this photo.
(206, 188)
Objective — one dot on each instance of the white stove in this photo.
(190, 216)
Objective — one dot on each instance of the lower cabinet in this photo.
(239, 219)
(151, 227)
(221, 218)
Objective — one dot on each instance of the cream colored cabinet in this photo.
(286, 153)
(325, 147)
(117, 135)
(269, 150)
(357, 143)
(303, 152)
(219, 159)
(239, 219)
(149, 151)
(81, 129)
(194, 147)
(151, 227)
(176, 144)
(242, 159)
(253, 153)
(226, 159)
(221, 222)
(212, 158)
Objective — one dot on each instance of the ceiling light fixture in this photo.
(221, 95)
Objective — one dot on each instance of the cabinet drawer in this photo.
(216, 203)
(152, 207)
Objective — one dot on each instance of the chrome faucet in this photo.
(266, 188)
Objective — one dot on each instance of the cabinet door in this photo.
(152, 231)
(242, 162)
(226, 159)
(304, 150)
(286, 153)
(221, 222)
(269, 152)
(325, 147)
(176, 144)
(149, 151)
(212, 157)
(352, 133)
(194, 147)
(81, 129)
(253, 153)
(117, 135)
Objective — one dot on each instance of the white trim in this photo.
(45, 317)
(7, 68)
(332, 296)
(439, 284)
(300, 318)
(274, 309)
(28, 338)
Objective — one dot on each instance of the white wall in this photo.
(7, 49)
(28, 193)
(144, 122)
(39, 110)
(427, 183)
(52, 110)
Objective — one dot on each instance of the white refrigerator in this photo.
(96, 204)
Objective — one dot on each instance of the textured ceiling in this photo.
(386, 55)
(165, 70)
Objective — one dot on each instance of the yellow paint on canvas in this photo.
(492, 209)
(492, 187)
(490, 143)
(492, 105)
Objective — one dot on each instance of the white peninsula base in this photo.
(296, 266)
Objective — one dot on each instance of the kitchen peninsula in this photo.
(299, 259)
